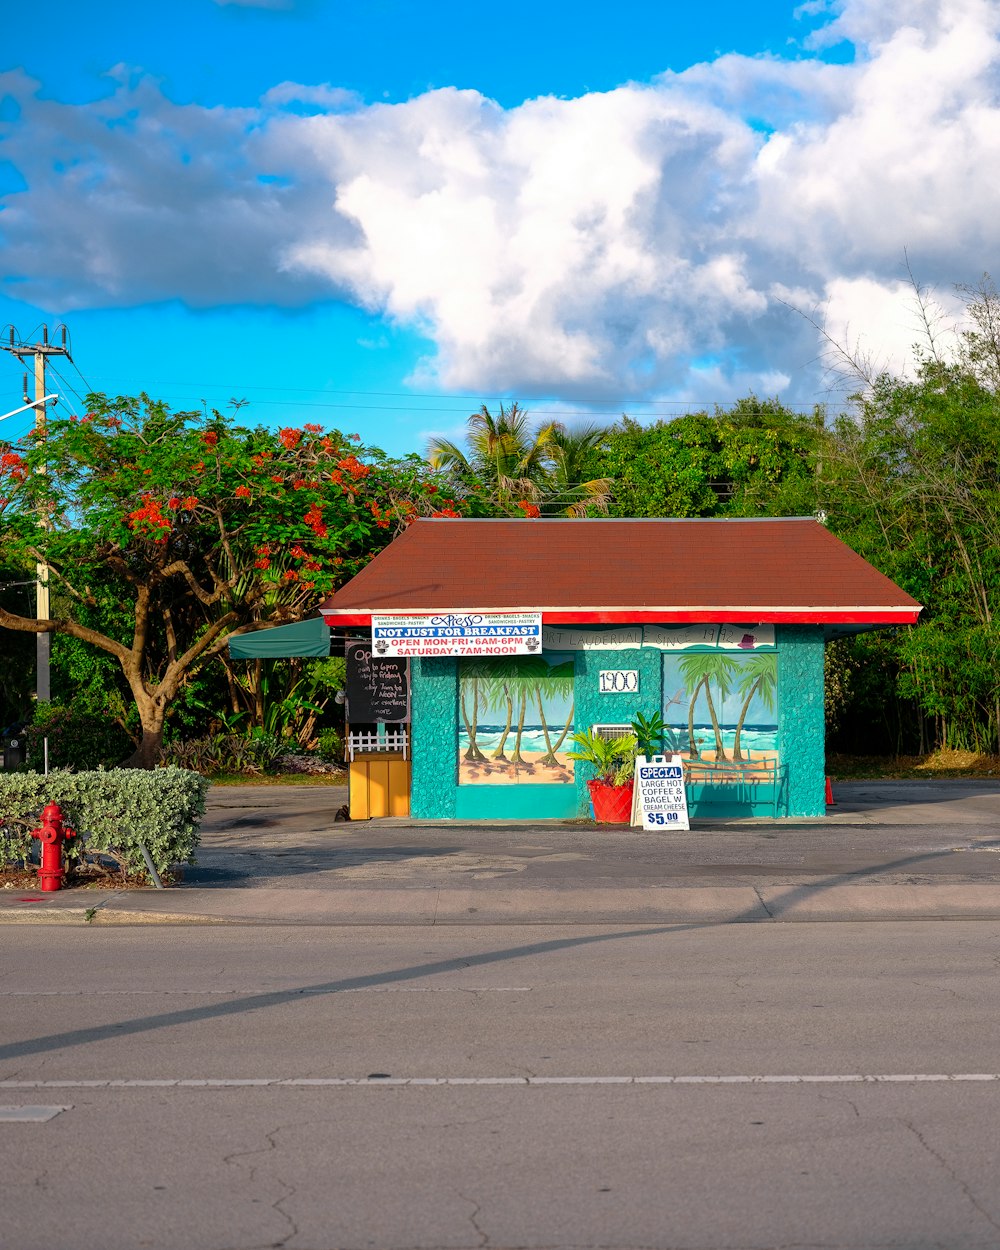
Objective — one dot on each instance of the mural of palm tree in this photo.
(500, 694)
(508, 685)
(758, 676)
(700, 670)
(558, 681)
(473, 683)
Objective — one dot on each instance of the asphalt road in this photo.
(900, 832)
(691, 1086)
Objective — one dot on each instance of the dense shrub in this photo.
(330, 746)
(77, 741)
(227, 753)
(116, 812)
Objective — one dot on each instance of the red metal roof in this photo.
(611, 571)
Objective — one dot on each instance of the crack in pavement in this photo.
(760, 898)
(484, 1237)
(276, 1205)
(953, 1174)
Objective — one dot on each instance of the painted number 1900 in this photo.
(619, 681)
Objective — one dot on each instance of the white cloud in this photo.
(646, 240)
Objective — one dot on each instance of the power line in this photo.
(418, 395)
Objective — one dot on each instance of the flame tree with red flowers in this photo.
(197, 528)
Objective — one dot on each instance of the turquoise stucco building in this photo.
(718, 627)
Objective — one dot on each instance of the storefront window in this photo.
(721, 707)
(516, 720)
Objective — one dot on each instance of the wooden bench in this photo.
(729, 782)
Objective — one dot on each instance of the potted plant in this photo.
(611, 789)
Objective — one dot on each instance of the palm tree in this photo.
(503, 454)
(473, 683)
(567, 452)
(519, 465)
(759, 676)
(556, 681)
(700, 670)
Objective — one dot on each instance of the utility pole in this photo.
(40, 352)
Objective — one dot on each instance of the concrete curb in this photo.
(653, 905)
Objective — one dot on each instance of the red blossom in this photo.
(528, 508)
(242, 492)
(210, 438)
(290, 438)
(351, 464)
(150, 515)
(189, 503)
(313, 429)
(262, 563)
(277, 478)
(173, 502)
(314, 519)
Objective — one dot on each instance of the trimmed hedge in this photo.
(116, 812)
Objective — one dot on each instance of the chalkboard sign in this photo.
(378, 687)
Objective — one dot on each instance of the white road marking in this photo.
(340, 1082)
(29, 1114)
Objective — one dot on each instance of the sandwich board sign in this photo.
(659, 797)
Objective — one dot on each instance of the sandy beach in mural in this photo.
(531, 770)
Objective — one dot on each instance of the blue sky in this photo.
(378, 215)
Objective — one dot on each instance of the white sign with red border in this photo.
(482, 634)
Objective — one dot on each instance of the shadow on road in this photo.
(279, 998)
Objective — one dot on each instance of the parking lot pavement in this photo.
(278, 854)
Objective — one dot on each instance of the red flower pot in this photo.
(612, 804)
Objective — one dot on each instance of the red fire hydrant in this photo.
(52, 835)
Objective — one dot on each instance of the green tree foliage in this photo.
(168, 532)
(522, 471)
(756, 458)
(914, 486)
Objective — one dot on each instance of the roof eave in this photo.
(870, 617)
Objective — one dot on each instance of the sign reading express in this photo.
(377, 687)
(458, 633)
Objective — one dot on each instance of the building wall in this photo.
(801, 720)
(594, 708)
(435, 735)
(434, 738)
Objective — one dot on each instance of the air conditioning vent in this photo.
(612, 731)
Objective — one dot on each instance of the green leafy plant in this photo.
(613, 758)
(649, 733)
(239, 754)
(330, 746)
(76, 740)
(117, 812)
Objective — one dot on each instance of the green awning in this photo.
(308, 638)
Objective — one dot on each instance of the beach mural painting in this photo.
(516, 720)
(722, 706)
